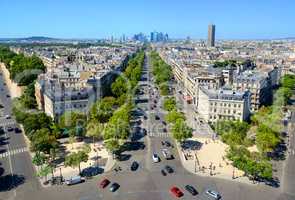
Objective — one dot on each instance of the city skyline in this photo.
(89, 19)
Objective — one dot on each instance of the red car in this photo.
(176, 192)
(104, 183)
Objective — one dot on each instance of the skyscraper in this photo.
(211, 35)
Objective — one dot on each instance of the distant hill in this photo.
(38, 38)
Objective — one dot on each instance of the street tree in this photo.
(44, 172)
(181, 131)
(173, 116)
(74, 159)
(39, 159)
(42, 140)
(94, 129)
(169, 103)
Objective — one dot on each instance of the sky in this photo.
(234, 19)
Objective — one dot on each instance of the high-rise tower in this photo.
(211, 35)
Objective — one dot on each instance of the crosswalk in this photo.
(13, 152)
(7, 122)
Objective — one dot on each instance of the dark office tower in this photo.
(211, 35)
(154, 36)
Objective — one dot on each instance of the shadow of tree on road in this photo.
(9, 182)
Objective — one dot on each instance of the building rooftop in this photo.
(224, 94)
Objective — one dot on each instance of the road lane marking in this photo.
(12, 152)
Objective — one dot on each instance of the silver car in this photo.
(155, 158)
(213, 194)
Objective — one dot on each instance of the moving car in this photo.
(114, 187)
(74, 180)
(7, 117)
(176, 192)
(134, 166)
(9, 128)
(169, 169)
(167, 155)
(213, 194)
(191, 190)
(168, 144)
(155, 158)
(104, 183)
(157, 117)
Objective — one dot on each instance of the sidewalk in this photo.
(200, 128)
(210, 161)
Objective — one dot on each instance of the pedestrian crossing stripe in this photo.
(7, 123)
(13, 152)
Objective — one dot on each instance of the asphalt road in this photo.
(145, 183)
(17, 174)
(288, 185)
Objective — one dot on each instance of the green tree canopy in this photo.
(43, 141)
(266, 138)
(173, 116)
(74, 159)
(169, 103)
(181, 131)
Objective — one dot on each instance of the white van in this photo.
(74, 180)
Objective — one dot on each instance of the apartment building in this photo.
(259, 86)
(223, 104)
(76, 85)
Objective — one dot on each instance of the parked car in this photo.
(157, 117)
(213, 194)
(114, 187)
(191, 190)
(156, 158)
(134, 166)
(17, 130)
(167, 155)
(104, 183)
(167, 144)
(91, 171)
(74, 180)
(169, 169)
(7, 117)
(9, 128)
(176, 192)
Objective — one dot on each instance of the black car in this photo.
(167, 144)
(145, 117)
(9, 128)
(164, 130)
(157, 117)
(169, 169)
(114, 187)
(91, 171)
(191, 190)
(17, 130)
(134, 166)
(163, 172)
(164, 123)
